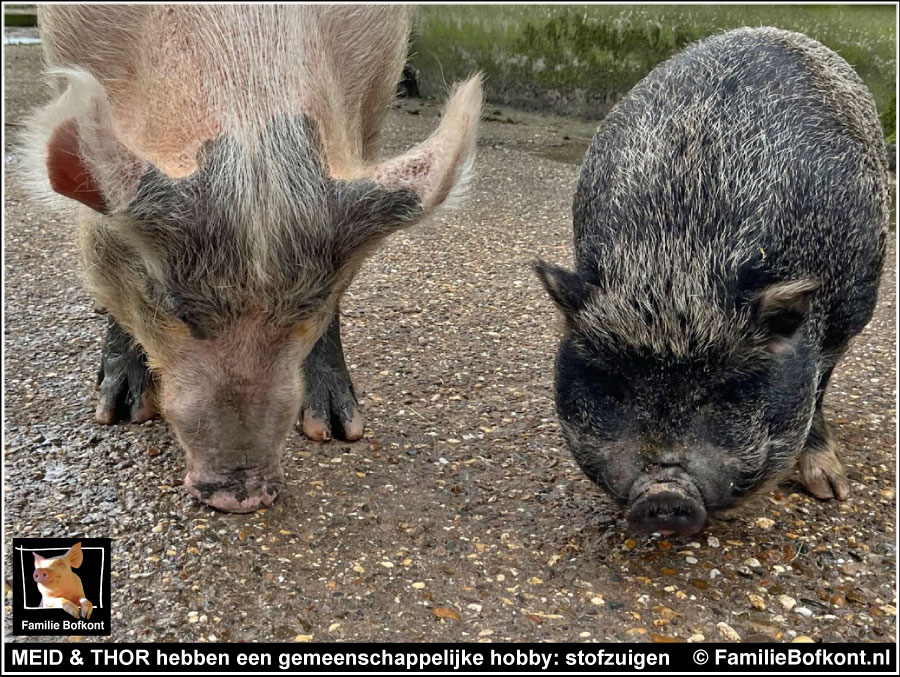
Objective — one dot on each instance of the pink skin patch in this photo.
(226, 502)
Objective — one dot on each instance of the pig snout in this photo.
(238, 490)
(40, 576)
(666, 506)
(234, 438)
(234, 467)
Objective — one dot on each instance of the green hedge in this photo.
(19, 19)
(579, 60)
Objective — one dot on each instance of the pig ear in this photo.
(568, 289)
(75, 556)
(439, 169)
(38, 559)
(84, 160)
(780, 309)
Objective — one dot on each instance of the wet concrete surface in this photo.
(460, 516)
(21, 35)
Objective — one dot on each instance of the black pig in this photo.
(730, 223)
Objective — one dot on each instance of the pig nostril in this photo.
(667, 511)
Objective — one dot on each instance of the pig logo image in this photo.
(53, 576)
(60, 586)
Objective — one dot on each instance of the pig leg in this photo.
(330, 407)
(71, 608)
(821, 470)
(125, 383)
(86, 607)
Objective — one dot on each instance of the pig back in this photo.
(754, 148)
(178, 75)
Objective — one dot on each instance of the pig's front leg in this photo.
(70, 608)
(330, 408)
(125, 383)
(86, 607)
(821, 470)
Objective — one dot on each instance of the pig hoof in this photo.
(330, 408)
(332, 412)
(124, 382)
(71, 608)
(86, 608)
(121, 405)
(823, 473)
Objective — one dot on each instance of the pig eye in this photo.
(737, 389)
(182, 311)
(604, 383)
(596, 373)
(175, 305)
(729, 393)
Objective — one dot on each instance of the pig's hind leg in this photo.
(330, 408)
(821, 470)
(125, 384)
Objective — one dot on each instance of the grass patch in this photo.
(18, 19)
(581, 59)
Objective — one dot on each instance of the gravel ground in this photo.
(460, 515)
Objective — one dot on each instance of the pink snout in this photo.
(40, 576)
(239, 491)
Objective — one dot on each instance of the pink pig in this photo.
(59, 585)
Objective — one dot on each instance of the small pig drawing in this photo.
(59, 585)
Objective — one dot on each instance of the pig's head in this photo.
(229, 275)
(682, 392)
(53, 572)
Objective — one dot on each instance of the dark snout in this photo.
(667, 507)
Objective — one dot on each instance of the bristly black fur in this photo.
(729, 229)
